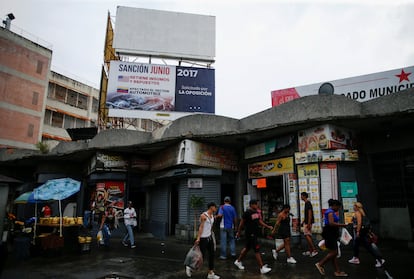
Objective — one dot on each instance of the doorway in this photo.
(174, 209)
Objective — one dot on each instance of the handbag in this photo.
(346, 237)
(372, 237)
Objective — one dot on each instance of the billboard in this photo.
(360, 88)
(165, 34)
(134, 88)
(189, 152)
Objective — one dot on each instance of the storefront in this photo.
(113, 179)
(325, 170)
(273, 183)
(181, 172)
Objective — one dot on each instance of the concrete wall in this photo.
(395, 223)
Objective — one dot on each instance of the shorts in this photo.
(306, 231)
(252, 243)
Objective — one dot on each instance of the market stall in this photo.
(55, 231)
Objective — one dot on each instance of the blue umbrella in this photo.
(27, 197)
(57, 189)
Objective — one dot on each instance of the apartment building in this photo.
(24, 75)
(69, 104)
(37, 104)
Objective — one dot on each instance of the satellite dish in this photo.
(326, 89)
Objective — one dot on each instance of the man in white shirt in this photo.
(130, 220)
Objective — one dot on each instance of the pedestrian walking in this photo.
(362, 227)
(107, 225)
(205, 239)
(330, 234)
(228, 223)
(282, 230)
(251, 222)
(307, 225)
(130, 221)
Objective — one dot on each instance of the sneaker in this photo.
(133, 246)
(125, 244)
(313, 254)
(239, 264)
(265, 269)
(188, 271)
(212, 276)
(274, 253)
(291, 260)
(223, 258)
(307, 253)
(354, 260)
(379, 263)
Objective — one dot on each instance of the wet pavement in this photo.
(153, 258)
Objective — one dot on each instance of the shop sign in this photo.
(323, 137)
(326, 156)
(108, 161)
(271, 167)
(359, 88)
(195, 153)
(195, 183)
(349, 189)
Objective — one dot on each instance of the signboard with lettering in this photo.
(134, 88)
(360, 88)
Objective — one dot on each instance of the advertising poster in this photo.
(195, 90)
(134, 86)
(293, 202)
(111, 193)
(308, 178)
(360, 88)
(323, 137)
(271, 167)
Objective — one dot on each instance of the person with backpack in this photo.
(228, 215)
(362, 228)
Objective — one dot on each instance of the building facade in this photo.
(24, 74)
(70, 104)
(366, 154)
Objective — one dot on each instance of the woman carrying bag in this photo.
(331, 234)
(362, 229)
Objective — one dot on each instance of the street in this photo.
(164, 259)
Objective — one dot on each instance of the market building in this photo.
(366, 153)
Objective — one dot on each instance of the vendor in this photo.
(47, 212)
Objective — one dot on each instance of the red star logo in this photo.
(403, 76)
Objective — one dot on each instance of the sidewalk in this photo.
(154, 258)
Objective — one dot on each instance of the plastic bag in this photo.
(321, 245)
(346, 237)
(194, 258)
(279, 242)
(99, 237)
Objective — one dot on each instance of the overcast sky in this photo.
(260, 45)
